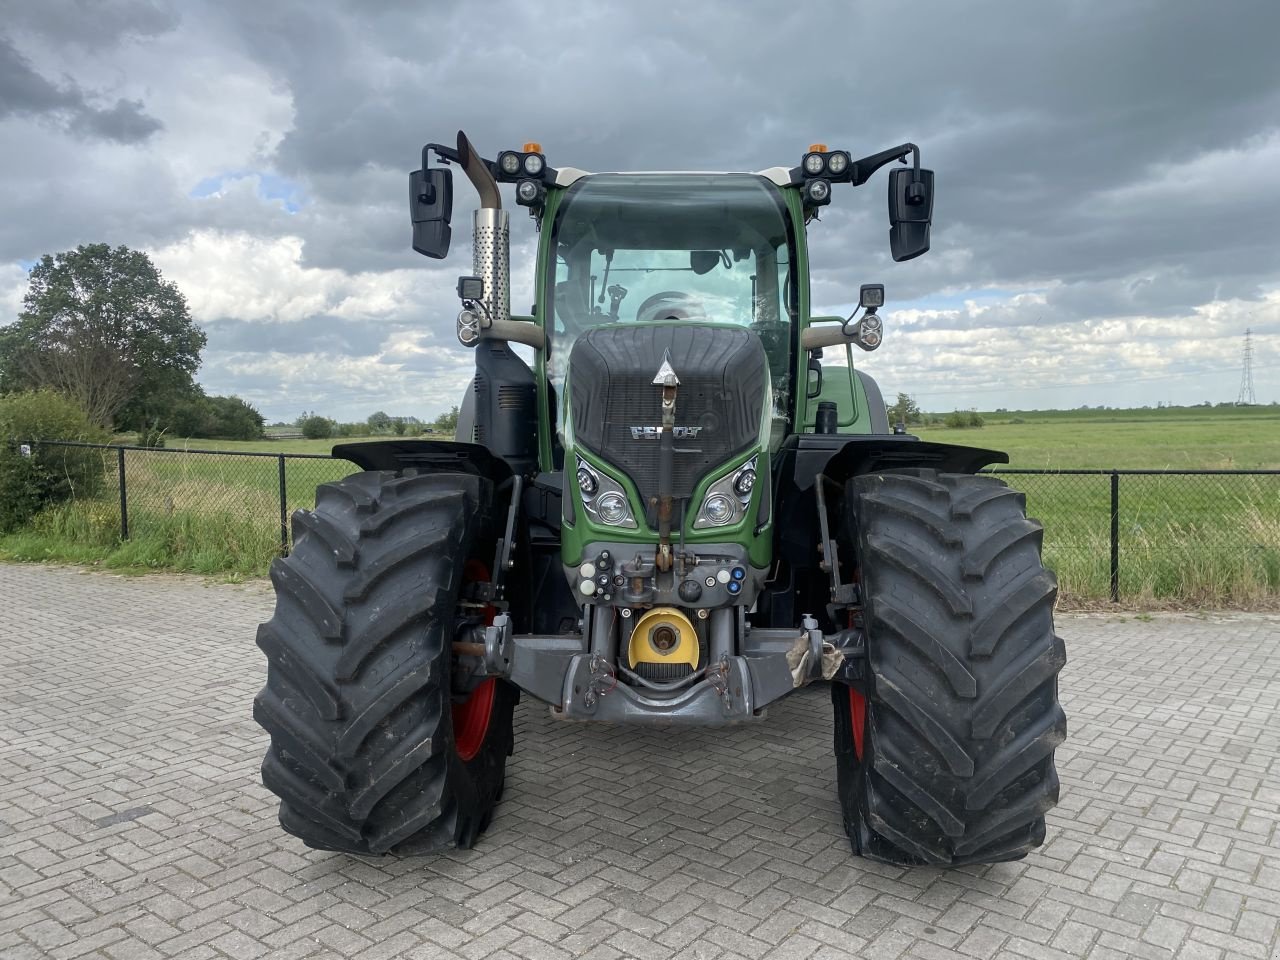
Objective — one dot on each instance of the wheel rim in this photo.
(858, 716)
(471, 718)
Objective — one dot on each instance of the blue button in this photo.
(739, 573)
(734, 586)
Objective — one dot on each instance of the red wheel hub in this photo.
(471, 718)
(858, 715)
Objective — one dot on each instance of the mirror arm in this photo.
(815, 338)
(864, 168)
(447, 155)
(514, 331)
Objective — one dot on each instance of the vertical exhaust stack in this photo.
(491, 242)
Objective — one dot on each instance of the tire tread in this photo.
(358, 697)
(963, 714)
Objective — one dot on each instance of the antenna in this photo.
(1246, 398)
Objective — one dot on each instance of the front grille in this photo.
(636, 402)
(723, 380)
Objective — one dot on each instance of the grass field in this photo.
(1209, 540)
(1177, 438)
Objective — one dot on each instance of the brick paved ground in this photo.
(132, 823)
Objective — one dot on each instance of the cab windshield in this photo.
(699, 248)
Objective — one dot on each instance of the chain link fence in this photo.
(217, 509)
(1191, 535)
(1134, 535)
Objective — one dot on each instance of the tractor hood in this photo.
(616, 399)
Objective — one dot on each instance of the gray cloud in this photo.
(92, 25)
(1114, 160)
(24, 92)
(126, 122)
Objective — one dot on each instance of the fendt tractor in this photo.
(674, 513)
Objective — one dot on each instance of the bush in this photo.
(963, 419)
(34, 475)
(188, 417)
(317, 428)
(216, 418)
(235, 419)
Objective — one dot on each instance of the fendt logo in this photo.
(652, 433)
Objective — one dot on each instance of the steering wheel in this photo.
(671, 305)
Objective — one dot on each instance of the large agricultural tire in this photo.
(368, 753)
(948, 758)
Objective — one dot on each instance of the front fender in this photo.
(841, 456)
(440, 456)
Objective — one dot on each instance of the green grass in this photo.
(1210, 540)
(1181, 438)
(188, 512)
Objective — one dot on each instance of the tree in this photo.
(905, 410)
(218, 418)
(316, 427)
(235, 419)
(398, 425)
(379, 422)
(103, 327)
(446, 423)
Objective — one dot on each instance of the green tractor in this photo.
(674, 515)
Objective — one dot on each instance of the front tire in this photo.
(945, 755)
(364, 754)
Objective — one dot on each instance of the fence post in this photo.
(1115, 537)
(124, 498)
(284, 519)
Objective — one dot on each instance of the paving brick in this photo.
(133, 823)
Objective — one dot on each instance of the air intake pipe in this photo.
(491, 243)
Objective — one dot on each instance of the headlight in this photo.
(870, 331)
(527, 191)
(612, 508)
(838, 162)
(814, 163)
(510, 163)
(728, 498)
(718, 509)
(603, 498)
(533, 164)
(818, 192)
(468, 328)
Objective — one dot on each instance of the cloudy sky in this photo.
(1107, 222)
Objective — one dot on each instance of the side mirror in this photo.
(814, 386)
(430, 209)
(910, 212)
(703, 261)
